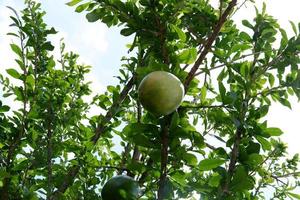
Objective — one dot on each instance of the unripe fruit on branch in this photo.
(120, 188)
(161, 93)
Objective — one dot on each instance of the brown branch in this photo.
(209, 43)
(124, 158)
(49, 152)
(233, 159)
(210, 146)
(68, 180)
(73, 171)
(146, 172)
(264, 161)
(164, 159)
(278, 180)
(203, 106)
(228, 63)
(261, 182)
(136, 153)
(112, 110)
(289, 174)
(166, 120)
(114, 168)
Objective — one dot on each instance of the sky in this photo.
(103, 47)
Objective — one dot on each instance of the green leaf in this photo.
(14, 73)
(240, 47)
(30, 80)
(16, 49)
(179, 177)
(143, 141)
(136, 166)
(127, 31)
(274, 131)
(47, 46)
(247, 24)
(297, 196)
(174, 121)
(82, 7)
(254, 159)
(294, 27)
(245, 69)
(271, 79)
(73, 2)
(142, 134)
(214, 180)
(222, 91)
(266, 145)
(263, 110)
(203, 93)
(93, 16)
(284, 38)
(241, 181)
(245, 36)
(253, 148)
(180, 33)
(3, 174)
(285, 102)
(210, 163)
(187, 56)
(4, 108)
(190, 158)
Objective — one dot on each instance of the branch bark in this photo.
(233, 159)
(49, 152)
(164, 159)
(112, 110)
(209, 43)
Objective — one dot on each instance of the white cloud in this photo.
(93, 36)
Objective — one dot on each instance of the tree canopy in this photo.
(216, 145)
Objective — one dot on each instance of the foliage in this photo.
(50, 147)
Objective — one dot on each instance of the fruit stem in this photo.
(164, 157)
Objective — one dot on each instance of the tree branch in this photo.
(112, 110)
(233, 159)
(204, 106)
(73, 171)
(49, 151)
(164, 158)
(228, 63)
(124, 158)
(209, 43)
(68, 180)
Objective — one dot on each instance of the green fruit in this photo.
(161, 93)
(120, 188)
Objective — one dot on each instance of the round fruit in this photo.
(120, 188)
(160, 92)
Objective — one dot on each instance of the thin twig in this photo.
(164, 159)
(204, 106)
(228, 63)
